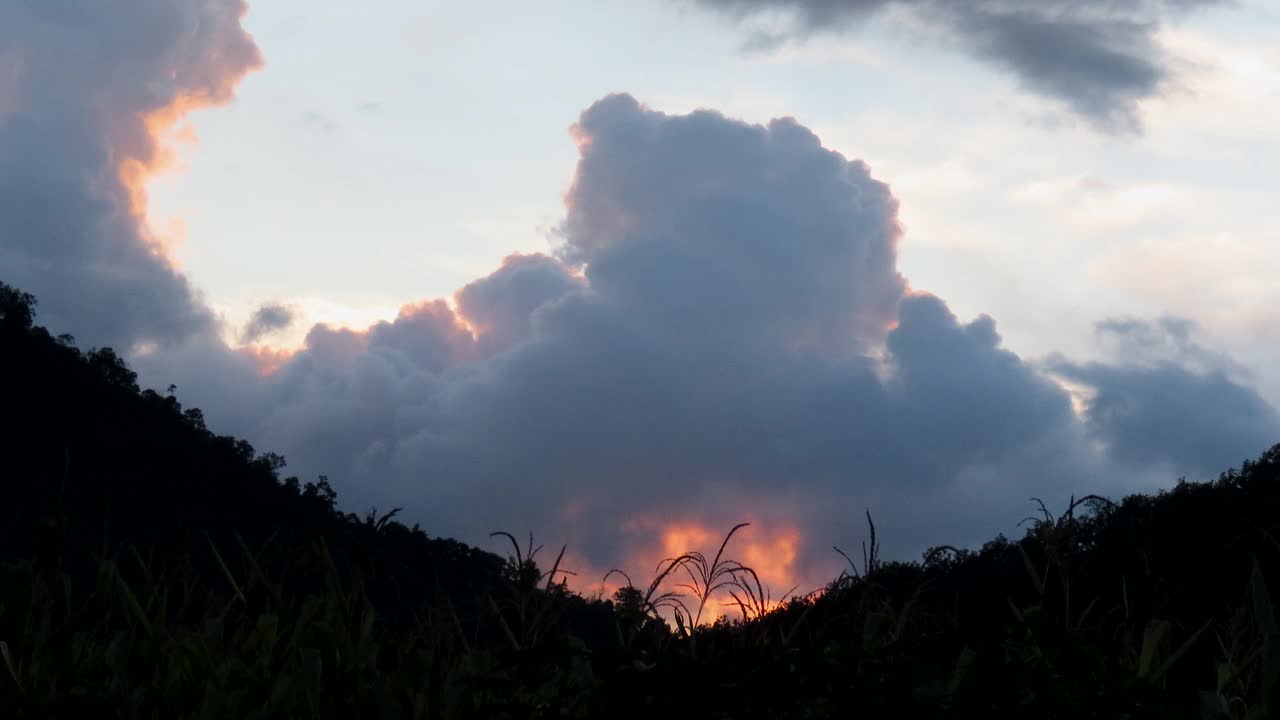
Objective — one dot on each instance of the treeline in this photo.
(150, 567)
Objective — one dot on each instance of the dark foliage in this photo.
(94, 467)
(152, 568)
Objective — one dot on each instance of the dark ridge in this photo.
(150, 567)
(93, 467)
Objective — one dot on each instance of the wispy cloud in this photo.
(268, 319)
(1098, 57)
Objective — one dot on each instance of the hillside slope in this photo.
(152, 568)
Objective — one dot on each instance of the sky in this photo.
(627, 274)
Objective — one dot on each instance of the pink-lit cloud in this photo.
(89, 91)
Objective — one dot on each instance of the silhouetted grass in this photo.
(150, 568)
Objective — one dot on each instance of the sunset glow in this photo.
(155, 151)
(658, 358)
(771, 553)
(694, 284)
(268, 359)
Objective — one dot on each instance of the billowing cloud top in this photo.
(754, 234)
(89, 87)
(1098, 56)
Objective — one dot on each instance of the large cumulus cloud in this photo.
(1098, 57)
(86, 87)
(721, 334)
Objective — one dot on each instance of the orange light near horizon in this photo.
(679, 539)
(774, 558)
(771, 551)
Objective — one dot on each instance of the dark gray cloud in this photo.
(500, 307)
(267, 319)
(721, 334)
(1169, 401)
(87, 86)
(766, 236)
(1099, 57)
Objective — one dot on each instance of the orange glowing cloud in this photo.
(772, 551)
(440, 314)
(267, 359)
(774, 558)
(146, 144)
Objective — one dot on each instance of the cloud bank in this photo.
(720, 334)
(1098, 57)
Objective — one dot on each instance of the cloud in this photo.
(758, 234)
(721, 334)
(88, 90)
(500, 308)
(1098, 57)
(267, 319)
(1170, 402)
(1169, 340)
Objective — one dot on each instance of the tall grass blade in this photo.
(555, 568)
(502, 622)
(1177, 654)
(8, 663)
(226, 571)
(1151, 637)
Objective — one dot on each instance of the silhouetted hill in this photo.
(92, 466)
(1189, 564)
(152, 568)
